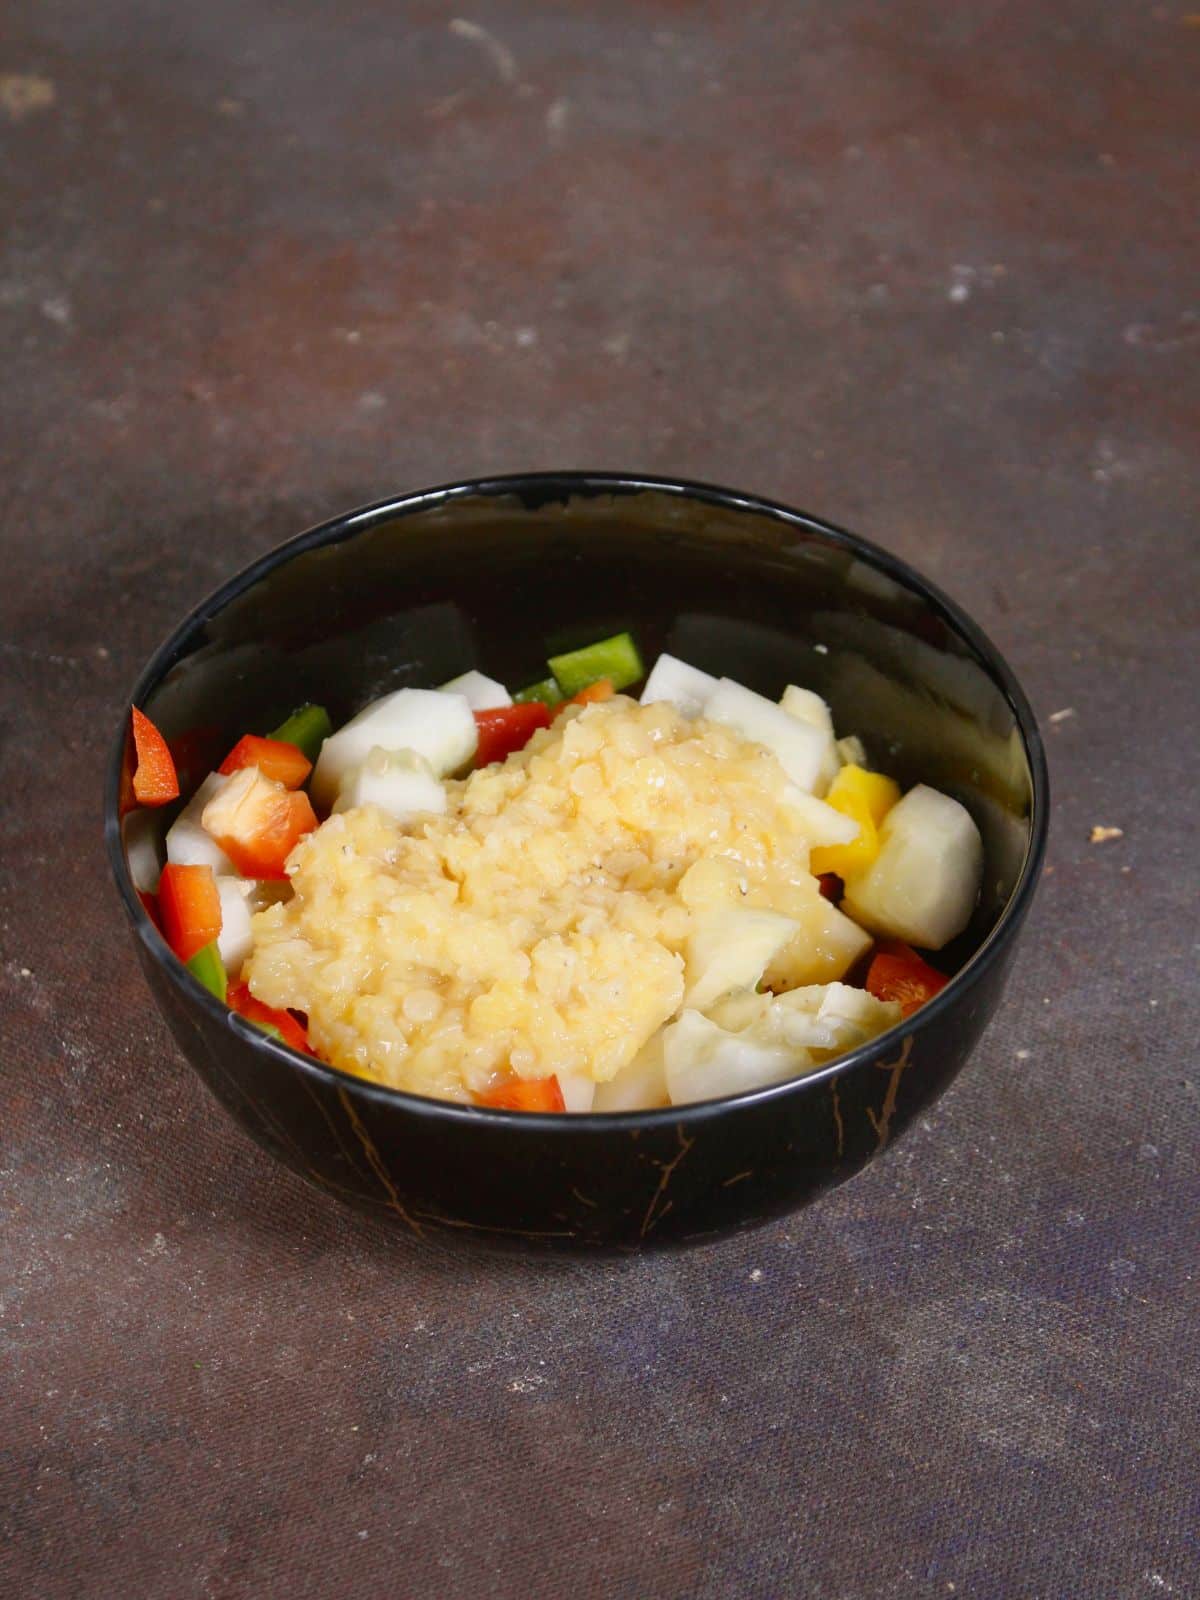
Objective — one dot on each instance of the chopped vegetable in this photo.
(641, 1086)
(807, 706)
(524, 1094)
(189, 908)
(479, 691)
(207, 968)
(897, 972)
(307, 728)
(820, 822)
(236, 938)
(686, 687)
(399, 782)
(867, 797)
(578, 1091)
(438, 726)
(547, 692)
(596, 692)
(277, 759)
(823, 950)
(616, 659)
(281, 1024)
(258, 822)
(730, 948)
(923, 884)
(507, 729)
(798, 746)
(154, 779)
(188, 843)
(704, 1062)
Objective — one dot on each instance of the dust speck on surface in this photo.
(23, 94)
(557, 113)
(1101, 834)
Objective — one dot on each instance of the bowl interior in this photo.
(499, 576)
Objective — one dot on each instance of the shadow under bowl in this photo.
(499, 574)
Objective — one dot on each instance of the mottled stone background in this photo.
(928, 268)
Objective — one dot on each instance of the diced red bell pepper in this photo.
(897, 972)
(154, 779)
(508, 728)
(275, 758)
(189, 908)
(831, 886)
(258, 822)
(524, 1094)
(239, 999)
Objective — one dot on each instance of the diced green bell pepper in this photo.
(207, 968)
(547, 692)
(616, 659)
(307, 728)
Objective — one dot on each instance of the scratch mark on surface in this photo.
(657, 1209)
(839, 1127)
(738, 1177)
(376, 1162)
(583, 1199)
(500, 55)
(883, 1122)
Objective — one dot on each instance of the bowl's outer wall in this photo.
(582, 1184)
(499, 579)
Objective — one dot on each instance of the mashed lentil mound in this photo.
(540, 924)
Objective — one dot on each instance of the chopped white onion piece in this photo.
(686, 687)
(578, 1091)
(703, 1062)
(479, 691)
(640, 1086)
(235, 939)
(438, 726)
(807, 706)
(923, 884)
(799, 747)
(731, 949)
(399, 782)
(189, 844)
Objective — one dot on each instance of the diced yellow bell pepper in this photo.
(867, 797)
(878, 791)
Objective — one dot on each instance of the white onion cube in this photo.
(399, 782)
(798, 747)
(686, 687)
(188, 842)
(479, 691)
(923, 884)
(438, 726)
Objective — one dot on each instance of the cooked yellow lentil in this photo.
(540, 924)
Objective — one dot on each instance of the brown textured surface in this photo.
(929, 270)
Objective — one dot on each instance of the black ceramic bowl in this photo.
(499, 574)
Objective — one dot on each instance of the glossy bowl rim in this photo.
(547, 486)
